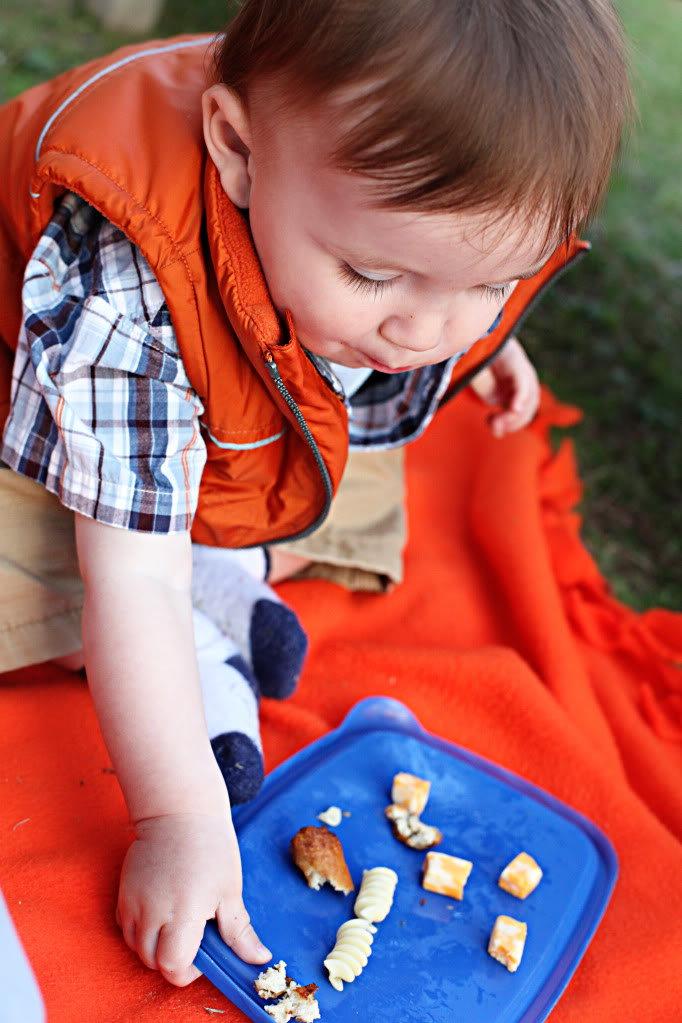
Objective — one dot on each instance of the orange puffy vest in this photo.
(125, 133)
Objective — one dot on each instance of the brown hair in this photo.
(452, 104)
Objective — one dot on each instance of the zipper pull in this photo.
(272, 369)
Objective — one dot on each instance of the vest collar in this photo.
(242, 286)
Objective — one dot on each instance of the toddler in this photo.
(217, 286)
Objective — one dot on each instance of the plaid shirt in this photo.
(103, 413)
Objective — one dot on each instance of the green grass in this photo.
(40, 38)
(607, 337)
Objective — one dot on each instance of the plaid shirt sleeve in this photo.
(103, 414)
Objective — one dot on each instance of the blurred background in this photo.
(607, 337)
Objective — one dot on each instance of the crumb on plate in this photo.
(331, 816)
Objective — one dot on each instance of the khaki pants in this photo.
(41, 592)
(360, 544)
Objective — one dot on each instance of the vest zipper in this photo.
(310, 440)
(312, 444)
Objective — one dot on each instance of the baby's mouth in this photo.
(381, 368)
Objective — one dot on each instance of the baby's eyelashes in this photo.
(364, 282)
(498, 292)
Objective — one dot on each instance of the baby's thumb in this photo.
(236, 931)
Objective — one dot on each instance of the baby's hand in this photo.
(511, 382)
(181, 871)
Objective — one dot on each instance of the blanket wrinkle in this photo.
(608, 624)
(515, 543)
(504, 639)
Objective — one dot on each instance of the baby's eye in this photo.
(497, 292)
(362, 283)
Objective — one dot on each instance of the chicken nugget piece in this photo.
(408, 828)
(319, 854)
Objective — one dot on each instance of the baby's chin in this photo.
(346, 354)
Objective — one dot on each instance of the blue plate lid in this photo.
(429, 961)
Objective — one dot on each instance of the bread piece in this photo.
(298, 1003)
(319, 854)
(272, 983)
(446, 874)
(521, 876)
(408, 828)
(410, 791)
(507, 941)
(295, 1002)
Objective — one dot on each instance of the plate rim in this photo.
(374, 713)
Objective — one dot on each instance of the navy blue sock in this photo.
(278, 648)
(241, 765)
(267, 632)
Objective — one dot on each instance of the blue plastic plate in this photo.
(429, 961)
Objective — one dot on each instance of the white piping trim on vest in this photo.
(102, 74)
(247, 447)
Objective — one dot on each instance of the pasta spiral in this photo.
(375, 897)
(350, 953)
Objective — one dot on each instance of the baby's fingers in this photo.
(176, 950)
(128, 925)
(509, 421)
(520, 412)
(503, 423)
(486, 387)
(236, 931)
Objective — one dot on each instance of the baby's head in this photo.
(405, 162)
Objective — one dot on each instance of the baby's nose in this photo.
(417, 332)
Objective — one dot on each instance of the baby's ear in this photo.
(227, 132)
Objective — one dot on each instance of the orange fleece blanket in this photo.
(503, 638)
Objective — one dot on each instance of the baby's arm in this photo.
(511, 382)
(183, 866)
